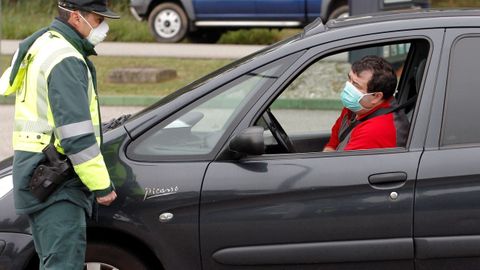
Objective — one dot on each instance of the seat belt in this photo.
(378, 112)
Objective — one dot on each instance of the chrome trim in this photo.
(390, 249)
(249, 23)
(135, 14)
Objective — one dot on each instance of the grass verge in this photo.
(188, 70)
(40, 14)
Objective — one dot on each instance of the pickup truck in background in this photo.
(205, 20)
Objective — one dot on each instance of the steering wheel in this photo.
(278, 132)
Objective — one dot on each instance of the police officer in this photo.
(56, 102)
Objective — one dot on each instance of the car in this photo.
(228, 172)
(205, 20)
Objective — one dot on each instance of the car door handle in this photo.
(392, 179)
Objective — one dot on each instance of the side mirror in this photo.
(250, 141)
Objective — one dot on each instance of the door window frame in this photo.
(436, 110)
(447, 86)
(416, 135)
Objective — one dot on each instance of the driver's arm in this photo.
(334, 142)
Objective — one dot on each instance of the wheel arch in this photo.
(187, 5)
(126, 241)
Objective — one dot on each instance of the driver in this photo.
(368, 119)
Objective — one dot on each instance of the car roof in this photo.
(427, 17)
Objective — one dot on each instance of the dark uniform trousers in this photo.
(59, 233)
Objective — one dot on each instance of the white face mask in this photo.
(97, 34)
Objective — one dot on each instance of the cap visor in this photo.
(107, 14)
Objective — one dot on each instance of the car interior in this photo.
(409, 60)
(298, 120)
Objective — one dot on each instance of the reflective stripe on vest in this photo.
(34, 123)
(73, 130)
(85, 155)
(33, 117)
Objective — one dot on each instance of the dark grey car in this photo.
(228, 173)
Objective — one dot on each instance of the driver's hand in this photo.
(329, 149)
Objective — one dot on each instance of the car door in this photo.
(349, 210)
(165, 164)
(447, 204)
(224, 9)
(281, 10)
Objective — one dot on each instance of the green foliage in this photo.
(188, 70)
(252, 36)
(128, 29)
(455, 3)
(21, 18)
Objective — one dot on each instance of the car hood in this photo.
(6, 166)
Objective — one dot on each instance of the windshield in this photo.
(215, 74)
(196, 129)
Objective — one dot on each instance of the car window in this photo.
(196, 130)
(309, 106)
(462, 97)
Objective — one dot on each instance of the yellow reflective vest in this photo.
(34, 123)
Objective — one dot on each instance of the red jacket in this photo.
(383, 131)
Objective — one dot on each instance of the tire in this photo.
(339, 12)
(168, 23)
(110, 257)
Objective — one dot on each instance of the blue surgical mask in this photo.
(351, 97)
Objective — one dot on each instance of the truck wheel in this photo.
(109, 257)
(168, 23)
(339, 12)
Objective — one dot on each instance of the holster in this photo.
(54, 170)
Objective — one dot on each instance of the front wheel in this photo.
(168, 23)
(103, 256)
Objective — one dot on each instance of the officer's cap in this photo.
(95, 6)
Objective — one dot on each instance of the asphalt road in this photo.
(178, 50)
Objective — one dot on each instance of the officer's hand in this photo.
(108, 199)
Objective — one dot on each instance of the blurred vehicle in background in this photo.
(205, 20)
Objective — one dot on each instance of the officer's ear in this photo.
(75, 19)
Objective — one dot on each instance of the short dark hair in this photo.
(65, 14)
(383, 77)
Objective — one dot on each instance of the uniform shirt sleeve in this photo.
(68, 97)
